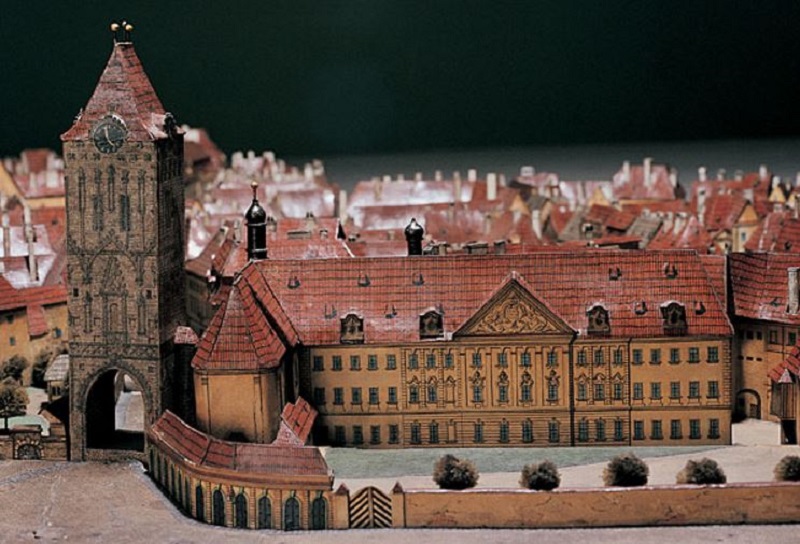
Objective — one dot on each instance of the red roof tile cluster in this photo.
(723, 210)
(255, 461)
(37, 324)
(790, 365)
(686, 234)
(778, 232)
(296, 422)
(185, 336)
(610, 217)
(634, 187)
(760, 285)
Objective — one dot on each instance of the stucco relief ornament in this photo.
(512, 316)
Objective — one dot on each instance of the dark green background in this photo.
(329, 77)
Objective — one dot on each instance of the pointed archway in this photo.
(114, 416)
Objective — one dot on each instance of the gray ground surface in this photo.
(95, 502)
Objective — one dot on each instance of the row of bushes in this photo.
(625, 470)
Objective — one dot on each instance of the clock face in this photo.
(109, 134)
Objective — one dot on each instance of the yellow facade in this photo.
(15, 337)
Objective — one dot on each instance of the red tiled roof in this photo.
(124, 85)
(185, 336)
(635, 189)
(691, 236)
(609, 217)
(37, 324)
(391, 293)
(722, 211)
(778, 232)
(296, 422)
(259, 460)
(10, 299)
(791, 365)
(716, 270)
(760, 286)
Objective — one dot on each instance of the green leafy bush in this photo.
(450, 472)
(543, 476)
(13, 368)
(626, 470)
(788, 469)
(703, 472)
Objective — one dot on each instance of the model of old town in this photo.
(195, 344)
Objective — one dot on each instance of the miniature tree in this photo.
(13, 368)
(626, 470)
(788, 469)
(703, 472)
(543, 476)
(450, 472)
(40, 367)
(13, 400)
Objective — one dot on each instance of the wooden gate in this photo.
(370, 508)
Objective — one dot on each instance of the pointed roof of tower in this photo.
(123, 89)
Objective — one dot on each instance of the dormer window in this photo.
(352, 329)
(674, 316)
(431, 325)
(598, 323)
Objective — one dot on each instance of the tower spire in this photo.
(256, 219)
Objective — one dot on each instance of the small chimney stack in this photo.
(626, 171)
(793, 299)
(33, 264)
(701, 174)
(673, 177)
(536, 223)
(721, 173)
(456, 187)
(6, 235)
(701, 205)
(414, 233)
(343, 206)
(418, 176)
(648, 166)
(437, 175)
(472, 175)
(491, 186)
(763, 172)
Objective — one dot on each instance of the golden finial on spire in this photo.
(254, 186)
(126, 29)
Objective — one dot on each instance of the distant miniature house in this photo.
(56, 376)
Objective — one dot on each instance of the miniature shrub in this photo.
(625, 470)
(788, 469)
(450, 472)
(543, 476)
(702, 472)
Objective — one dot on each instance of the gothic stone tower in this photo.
(125, 252)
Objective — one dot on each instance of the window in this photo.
(552, 391)
(583, 430)
(433, 432)
(694, 429)
(12, 341)
(338, 395)
(392, 395)
(478, 433)
(430, 325)
(355, 362)
(637, 357)
(448, 360)
(655, 390)
(413, 394)
(759, 335)
(358, 434)
(694, 355)
(773, 336)
(373, 395)
(476, 359)
(599, 358)
(713, 354)
(582, 357)
(432, 393)
(599, 391)
(713, 389)
(617, 356)
(394, 434)
(352, 330)
(527, 431)
(553, 432)
(675, 429)
(504, 431)
(525, 392)
(791, 338)
(317, 363)
(617, 391)
(674, 355)
(600, 430)
(372, 362)
(638, 430)
(674, 390)
(264, 513)
(638, 391)
(339, 436)
(749, 334)
(319, 395)
(391, 362)
(375, 434)
(336, 361)
(413, 361)
(430, 361)
(597, 323)
(713, 428)
(477, 393)
(502, 359)
(57, 332)
(355, 395)
(655, 356)
(581, 391)
(502, 392)
(199, 507)
(526, 359)
(618, 430)
(124, 213)
(656, 432)
(674, 316)
(694, 390)
(552, 358)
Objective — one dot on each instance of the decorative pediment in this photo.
(513, 309)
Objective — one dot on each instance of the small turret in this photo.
(414, 233)
(256, 219)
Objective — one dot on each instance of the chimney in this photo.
(793, 304)
(648, 166)
(797, 180)
(377, 190)
(387, 178)
(738, 175)
(472, 175)
(721, 173)
(437, 176)
(763, 172)
(501, 179)
(536, 223)
(748, 194)
(343, 206)
(526, 172)
(237, 231)
(401, 177)
(418, 176)
(308, 172)
(456, 188)
(626, 171)
(581, 193)
(33, 265)
(6, 235)
(487, 223)
(701, 205)
(701, 174)
(491, 186)
(673, 177)
(311, 221)
(414, 233)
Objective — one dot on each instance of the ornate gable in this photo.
(513, 309)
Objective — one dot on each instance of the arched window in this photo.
(218, 508)
(152, 464)
(172, 481)
(597, 321)
(674, 316)
(179, 489)
(264, 513)
(318, 514)
(160, 472)
(241, 511)
(352, 329)
(432, 391)
(199, 503)
(291, 514)
(187, 495)
(430, 325)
